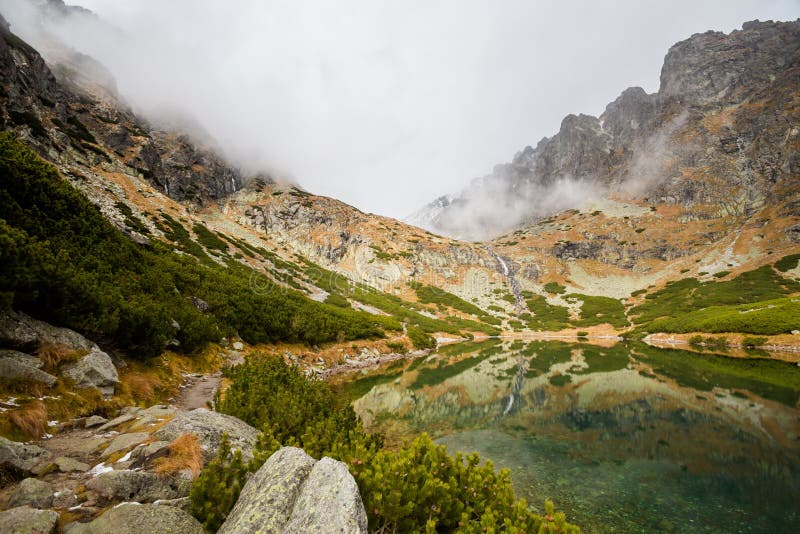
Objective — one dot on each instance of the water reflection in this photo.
(626, 437)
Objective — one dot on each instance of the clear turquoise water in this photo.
(624, 439)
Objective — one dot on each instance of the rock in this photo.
(27, 520)
(294, 493)
(124, 442)
(15, 369)
(64, 498)
(132, 518)
(209, 427)
(183, 503)
(329, 502)
(26, 333)
(20, 455)
(32, 492)
(94, 420)
(139, 486)
(124, 418)
(68, 465)
(27, 359)
(238, 345)
(94, 370)
(267, 499)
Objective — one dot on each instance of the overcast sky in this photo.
(386, 105)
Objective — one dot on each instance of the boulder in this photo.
(64, 498)
(124, 418)
(124, 442)
(15, 369)
(20, 456)
(68, 465)
(26, 333)
(94, 420)
(32, 492)
(27, 359)
(329, 502)
(139, 486)
(132, 518)
(209, 427)
(94, 370)
(294, 493)
(27, 520)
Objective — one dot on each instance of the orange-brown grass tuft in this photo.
(31, 419)
(184, 453)
(141, 386)
(53, 355)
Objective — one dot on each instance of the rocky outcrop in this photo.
(19, 369)
(132, 518)
(23, 332)
(94, 370)
(294, 493)
(209, 427)
(27, 520)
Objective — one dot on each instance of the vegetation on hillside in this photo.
(418, 488)
(62, 261)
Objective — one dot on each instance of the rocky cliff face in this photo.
(70, 113)
(722, 130)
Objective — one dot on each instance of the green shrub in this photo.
(601, 310)
(419, 338)
(752, 342)
(337, 300)
(787, 263)
(554, 288)
(414, 489)
(547, 316)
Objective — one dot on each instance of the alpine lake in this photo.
(622, 436)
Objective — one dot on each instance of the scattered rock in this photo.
(27, 520)
(64, 498)
(94, 370)
(209, 427)
(294, 493)
(132, 518)
(68, 465)
(237, 345)
(124, 418)
(32, 492)
(124, 442)
(139, 486)
(94, 420)
(20, 455)
(12, 368)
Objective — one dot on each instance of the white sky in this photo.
(386, 105)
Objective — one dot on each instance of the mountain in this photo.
(720, 130)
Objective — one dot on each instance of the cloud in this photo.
(384, 105)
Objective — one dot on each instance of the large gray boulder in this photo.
(27, 520)
(32, 492)
(94, 370)
(139, 486)
(26, 333)
(294, 493)
(20, 456)
(330, 502)
(17, 369)
(130, 518)
(27, 359)
(209, 427)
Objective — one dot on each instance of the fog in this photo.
(384, 105)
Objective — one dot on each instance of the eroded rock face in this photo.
(27, 520)
(17, 369)
(130, 518)
(294, 493)
(209, 427)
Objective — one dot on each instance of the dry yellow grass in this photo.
(53, 355)
(184, 453)
(141, 386)
(31, 419)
